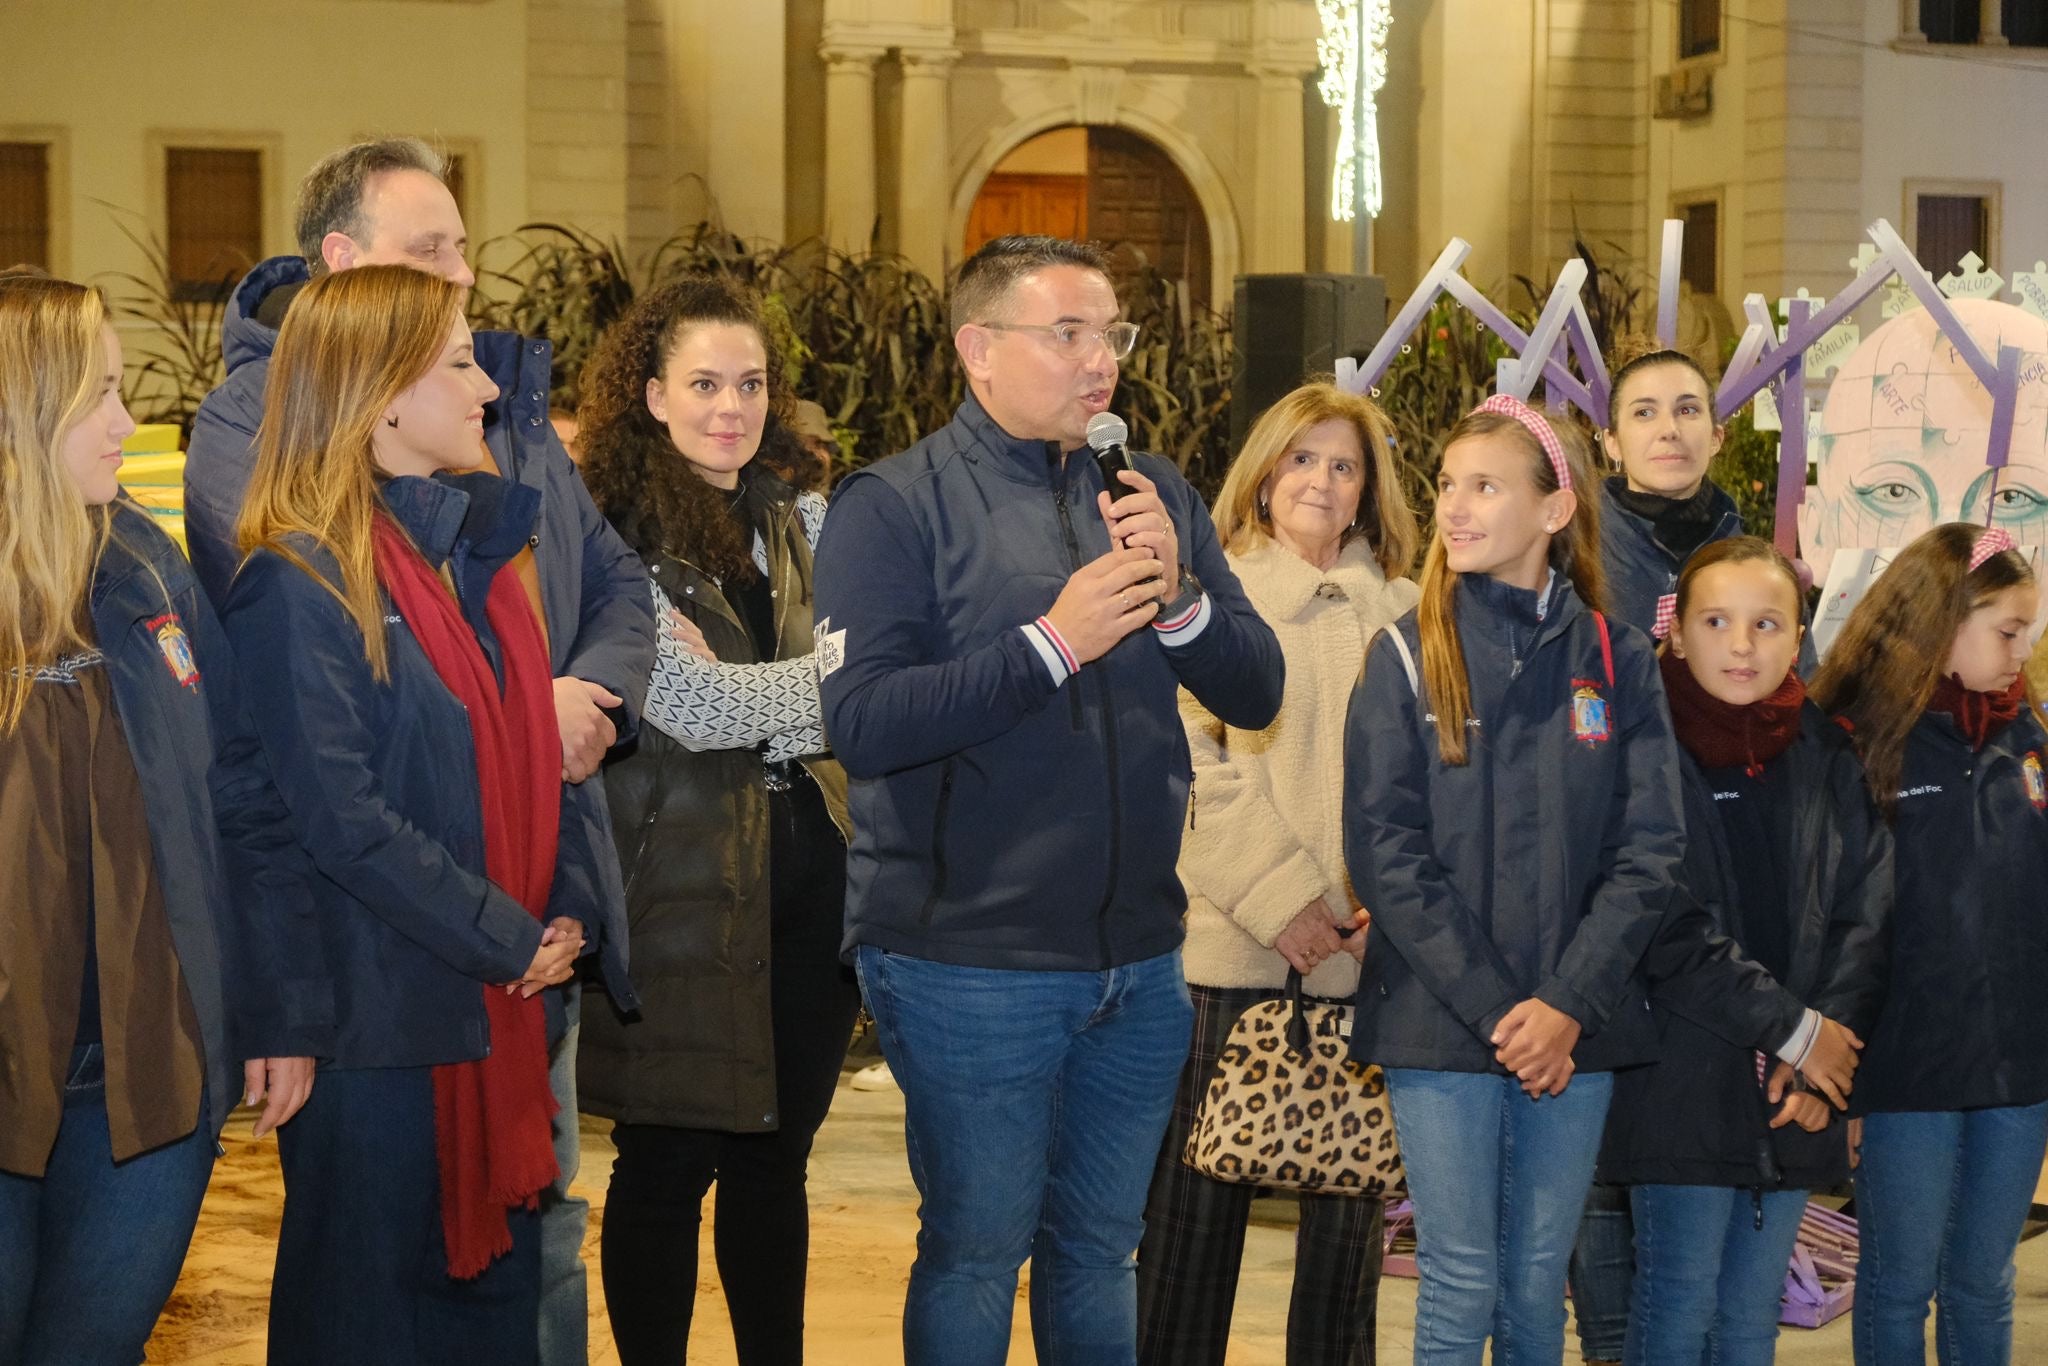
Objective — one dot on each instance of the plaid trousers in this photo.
(1194, 1239)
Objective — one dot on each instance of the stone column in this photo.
(1279, 231)
(924, 173)
(1991, 23)
(849, 144)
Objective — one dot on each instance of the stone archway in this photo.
(1219, 218)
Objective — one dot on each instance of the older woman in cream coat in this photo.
(1313, 520)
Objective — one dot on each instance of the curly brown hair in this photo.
(635, 474)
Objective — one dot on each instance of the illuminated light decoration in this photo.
(1353, 51)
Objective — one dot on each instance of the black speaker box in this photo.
(1289, 327)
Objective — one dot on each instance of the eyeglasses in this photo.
(1073, 339)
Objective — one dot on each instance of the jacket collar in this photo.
(1502, 613)
(1617, 518)
(470, 522)
(242, 338)
(982, 438)
(135, 550)
(1286, 585)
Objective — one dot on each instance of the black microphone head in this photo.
(1106, 430)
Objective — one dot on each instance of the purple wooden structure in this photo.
(1563, 335)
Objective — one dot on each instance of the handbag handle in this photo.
(1297, 1015)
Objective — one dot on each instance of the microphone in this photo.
(1107, 434)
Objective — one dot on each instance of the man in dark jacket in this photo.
(383, 203)
(1000, 647)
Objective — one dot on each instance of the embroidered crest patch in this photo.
(176, 647)
(1590, 723)
(2037, 786)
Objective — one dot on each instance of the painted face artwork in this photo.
(1905, 430)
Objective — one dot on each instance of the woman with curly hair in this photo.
(731, 824)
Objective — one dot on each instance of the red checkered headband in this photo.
(1994, 541)
(1539, 427)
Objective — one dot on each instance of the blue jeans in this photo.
(90, 1250)
(1034, 1104)
(1941, 1199)
(564, 1289)
(1603, 1271)
(1709, 1281)
(1499, 1182)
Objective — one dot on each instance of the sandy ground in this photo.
(863, 1226)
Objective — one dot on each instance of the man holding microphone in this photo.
(1000, 641)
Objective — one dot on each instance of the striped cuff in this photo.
(1053, 649)
(1185, 624)
(1795, 1048)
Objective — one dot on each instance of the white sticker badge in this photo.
(831, 649)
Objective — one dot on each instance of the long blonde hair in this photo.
(1574, 553)
(1384, 517)
(351, 344)
(52, 366)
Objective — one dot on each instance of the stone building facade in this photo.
(1516, 124)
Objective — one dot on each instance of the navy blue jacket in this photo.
(232, 877)
(1542, 866)
(1965, 1012)
(1639, 569)
(1000, 819)
(380, 779)
(1697, 1117)
(599, 616)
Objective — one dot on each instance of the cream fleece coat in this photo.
(1265, 832)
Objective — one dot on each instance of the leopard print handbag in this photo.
(1287, 1107)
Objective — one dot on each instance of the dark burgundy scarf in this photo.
(1722, 735)
(493, 1117)
(1979, 715)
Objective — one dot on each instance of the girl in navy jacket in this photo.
(1512, 822)
(144, 865)
(1719, 1138)
(1954, 1086)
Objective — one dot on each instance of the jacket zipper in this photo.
(1059, 498)
(931, 901)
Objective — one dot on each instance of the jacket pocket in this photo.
(939, 810)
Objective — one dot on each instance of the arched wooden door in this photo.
(1110, 185)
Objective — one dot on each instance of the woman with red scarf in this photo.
(1720, 1140)
(1954, 1088)
(411, 723)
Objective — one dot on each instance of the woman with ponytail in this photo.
(1512, 818)
(411, 723)
(1928, 673)
(1723, 1136)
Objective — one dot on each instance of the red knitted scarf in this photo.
(1980, 715)
(1723, 735)
(492, 1117)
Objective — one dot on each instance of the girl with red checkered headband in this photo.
(1929, 672)
(1717, 1143)
(1511, 817)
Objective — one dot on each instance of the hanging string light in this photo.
(1353, 52)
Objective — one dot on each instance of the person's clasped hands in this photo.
(555, 961)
